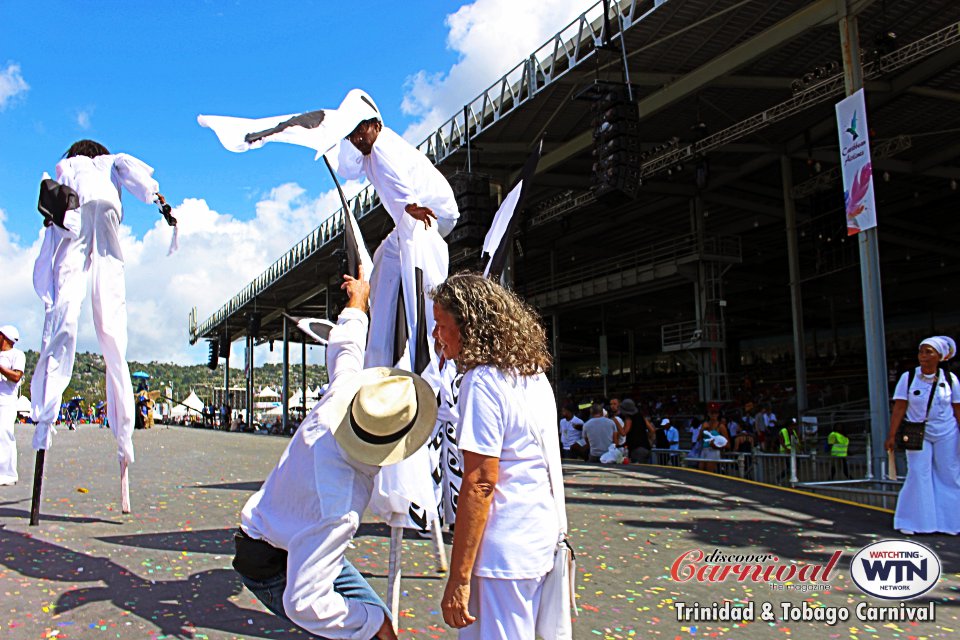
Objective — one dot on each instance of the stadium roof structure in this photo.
(733, 96)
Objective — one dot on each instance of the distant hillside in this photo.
(88, 377)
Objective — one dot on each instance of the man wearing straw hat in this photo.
(295, 530)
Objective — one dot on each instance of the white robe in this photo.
(60, 279)
(405, 495)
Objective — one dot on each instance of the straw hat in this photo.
(387, 415)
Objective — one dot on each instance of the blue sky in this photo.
(135, 75)
(141, 72)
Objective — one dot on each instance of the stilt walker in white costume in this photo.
(409, 262)
(88, 243)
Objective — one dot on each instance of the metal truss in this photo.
(824, 180)
(815, 94)
(567, 50)
(560, 205)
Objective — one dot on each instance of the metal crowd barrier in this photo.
(814, 472)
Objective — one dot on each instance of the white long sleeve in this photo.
(136, 176)
(345, 344)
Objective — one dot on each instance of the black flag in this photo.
(497, 243)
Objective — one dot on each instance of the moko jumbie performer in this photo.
(80, 242)
(409, 262)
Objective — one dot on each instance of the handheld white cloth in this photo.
(320, 130)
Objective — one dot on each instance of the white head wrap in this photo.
(944, 345)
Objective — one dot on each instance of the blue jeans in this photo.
(349, 584)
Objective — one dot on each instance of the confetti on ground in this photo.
(163, 572)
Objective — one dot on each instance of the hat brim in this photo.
(393, 452)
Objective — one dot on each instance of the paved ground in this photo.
(164, 571)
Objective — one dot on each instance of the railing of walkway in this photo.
(568, 49)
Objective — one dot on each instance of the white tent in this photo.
(23, 404)
(296, 400)
(193, 402)
(267, 392)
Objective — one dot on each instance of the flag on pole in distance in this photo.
(496, 244)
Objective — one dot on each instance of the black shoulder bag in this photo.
(910, 435)
(55, 200)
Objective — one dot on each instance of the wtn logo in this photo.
(895, 569)
(903, 570)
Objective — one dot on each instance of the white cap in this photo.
(10, 331)
(665, 422)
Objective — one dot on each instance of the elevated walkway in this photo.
(654, 265)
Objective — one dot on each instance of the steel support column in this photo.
(303, 378)
(285, 390)
(250, 392)
(796, 297)
(874, 333)
(226, 386)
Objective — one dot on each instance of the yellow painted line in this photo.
(772, 486)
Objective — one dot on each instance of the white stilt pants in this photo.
(8, 443)
(62, 282)
(408, 247)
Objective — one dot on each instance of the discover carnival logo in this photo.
(890, 569)
(718, 566)
(895, 569)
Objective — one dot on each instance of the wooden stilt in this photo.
(393, 573)
(438, 547)
(37, 485)
(124, 488)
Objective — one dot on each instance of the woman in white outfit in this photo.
(89, 244)
(507, 520)
(931, 492)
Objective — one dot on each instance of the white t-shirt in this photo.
(14, 359)
(570, 434)
(941, 420)
(498, 413)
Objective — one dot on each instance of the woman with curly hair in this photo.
(507, 519)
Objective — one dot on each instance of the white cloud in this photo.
(83, 118)
(12, 84)
(219, 254)
(490, 36)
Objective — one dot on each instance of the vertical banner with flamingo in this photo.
(861, 211)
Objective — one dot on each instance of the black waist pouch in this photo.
(257, 559)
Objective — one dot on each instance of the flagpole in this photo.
(346, 208)
(396, 533)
